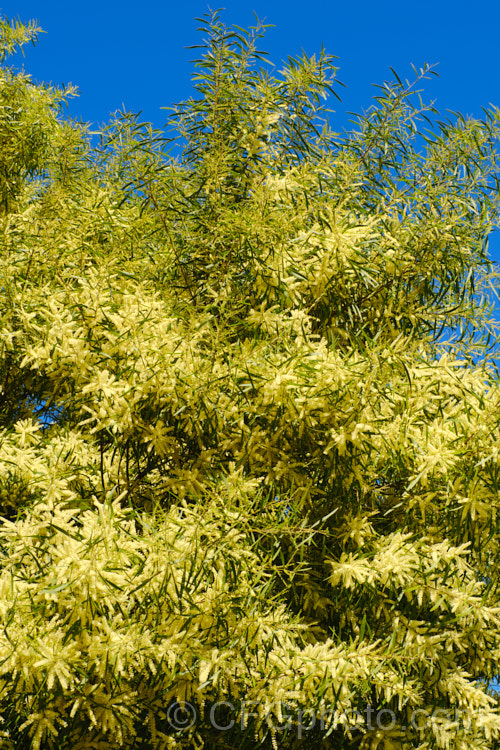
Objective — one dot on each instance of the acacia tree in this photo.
(249, 418)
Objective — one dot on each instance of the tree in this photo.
(249, 418)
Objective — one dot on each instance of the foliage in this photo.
(249, 417)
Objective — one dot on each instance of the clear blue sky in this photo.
(133, 54)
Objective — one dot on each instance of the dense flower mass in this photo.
(249, 462)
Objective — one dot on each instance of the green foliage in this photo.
(248, 417)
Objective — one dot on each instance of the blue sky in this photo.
(133, 55)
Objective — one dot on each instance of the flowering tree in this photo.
(249, 418)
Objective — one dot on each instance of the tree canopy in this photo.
(249, 463)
